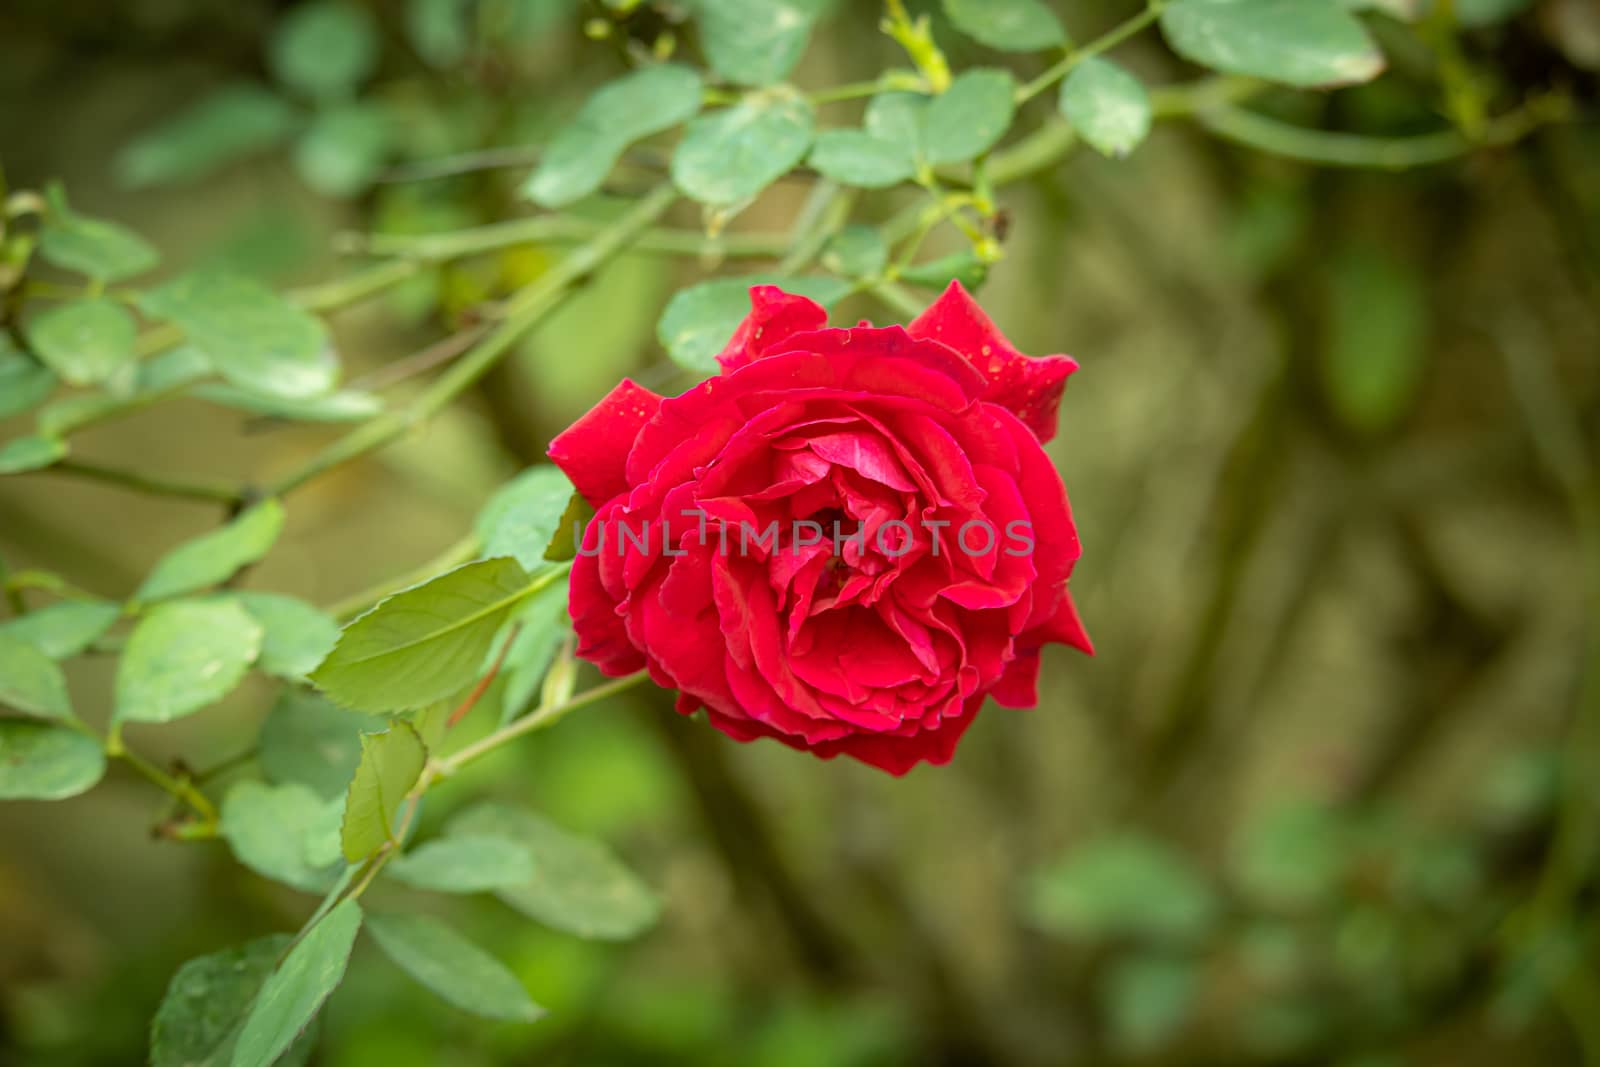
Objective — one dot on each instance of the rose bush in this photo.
(845, 541)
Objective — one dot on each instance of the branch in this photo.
(525, 311)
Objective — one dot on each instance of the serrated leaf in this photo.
(309, 739)
(1126, 885)
(754, 42)
(1305, 43)
(229, 125)
(855, 157)
(103, 250)
(24, 382)
(63, 629)
(347, 405)
(578, 885)
(426, 643)
(453, 967)
(344, 149)
(296, 636)
(204, 1007)
(31, 453)
(524, 514)
(324, 49)
(273, 830)
(43, 761)
(1106, 105)
(294, 993)
(255, 338)
(214, 557)
(465, 865)
(856, 251)
(84, 341)
(633, 107)
(698, 321)
(726, 157)
(967, 119)
(182, 656)
(31, 682)
(390, 764)
(1008, 25)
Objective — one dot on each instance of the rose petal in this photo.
(594, 450)
(774, 317)
(1031, 388)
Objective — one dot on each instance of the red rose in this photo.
(714, 559)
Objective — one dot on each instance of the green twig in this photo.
(551, 229)
(154, 485)
(1104, 43)
(524, 311)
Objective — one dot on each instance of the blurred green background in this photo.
(1326, 795)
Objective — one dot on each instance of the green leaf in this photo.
(183, 656)
(754, 42)
(214, 557)
(295, 636)
(1008, 25)
(31, 453)
(63, 629)
(425, 643)
(1106, 105)
(522, 517)
(699, 321)
(42, 761)
(24, 382)
(855, 157)
(255, 338)
(856, 251)
(200, 1017)
(542, 624)
(347, 405)
(465, 865)
(578, 885)
(83, 341)
(390, 764)
(1376, 349)
(31, 682)
(103, 250)
(1148, 999)
(967, 119)
(308, 739)
(439, 31)
(964, 267)
(324, 49)
(453, 967)
(633, 107)
(896, 118)
(728, 156)
(293, 994)
(229, 125)
(1126, 885)
(1307, 43)
(275, 830)
(344, 149)
(154, 380)
(1295, 854)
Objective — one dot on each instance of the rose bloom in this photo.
(883, 641)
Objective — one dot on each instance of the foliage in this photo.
(890, 186)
